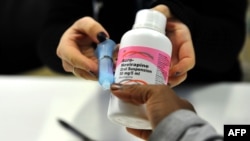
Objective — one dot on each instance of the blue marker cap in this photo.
(104, 53)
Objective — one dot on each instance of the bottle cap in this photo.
(150, 18)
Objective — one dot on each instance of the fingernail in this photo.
(116, 86)
(101, 36)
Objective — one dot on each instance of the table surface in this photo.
(31, 105)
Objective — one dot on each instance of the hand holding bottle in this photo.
(183, 55)
(160, 101)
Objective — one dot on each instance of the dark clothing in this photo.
(218, 30)
(21, 22)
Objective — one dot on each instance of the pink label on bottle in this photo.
(158, 58)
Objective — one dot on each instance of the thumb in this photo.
(136, 94)
(164, 10)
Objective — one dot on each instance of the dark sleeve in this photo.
(62, 14)
(218, 29)
(184, 125)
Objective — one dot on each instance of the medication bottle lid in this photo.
(150, 18)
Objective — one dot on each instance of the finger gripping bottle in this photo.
(144, 58)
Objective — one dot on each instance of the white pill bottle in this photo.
(144, 58)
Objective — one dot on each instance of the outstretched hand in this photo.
(160, 101)
(76, 49)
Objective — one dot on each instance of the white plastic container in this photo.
(144, 58)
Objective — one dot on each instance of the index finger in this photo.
(90, 27)
(186, 60)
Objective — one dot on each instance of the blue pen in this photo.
(104, 53)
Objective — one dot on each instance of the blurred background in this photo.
(244, 56)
